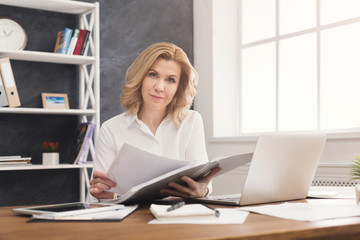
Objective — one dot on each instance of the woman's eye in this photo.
(152, 74)
(172, 80)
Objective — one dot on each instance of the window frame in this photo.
(241, 136)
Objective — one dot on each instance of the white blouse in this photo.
(185, 143)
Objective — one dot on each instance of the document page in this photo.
(134, 166)
(311, 210)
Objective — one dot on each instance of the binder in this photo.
(3, 98)
(9, 83)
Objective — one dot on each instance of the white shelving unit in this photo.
(89, 72)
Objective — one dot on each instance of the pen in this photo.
(176, 206)
(217, 212)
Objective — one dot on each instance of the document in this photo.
(311, 210)
(140, 175)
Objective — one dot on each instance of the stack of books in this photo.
(72, 41)
(14, 160)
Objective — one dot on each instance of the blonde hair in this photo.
(131, 97)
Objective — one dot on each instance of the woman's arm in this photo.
(100, 183)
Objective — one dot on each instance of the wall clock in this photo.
(12, 34)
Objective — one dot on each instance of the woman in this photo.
(157, 94)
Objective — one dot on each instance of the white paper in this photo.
(227, 216)
(332, 192)
(117, 214)
(311, 210)
(133, 166)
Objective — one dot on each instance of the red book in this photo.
(80, 42)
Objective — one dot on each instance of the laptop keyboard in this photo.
(228, 198)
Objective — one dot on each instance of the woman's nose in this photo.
(159, 85)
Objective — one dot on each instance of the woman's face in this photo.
(160, 84)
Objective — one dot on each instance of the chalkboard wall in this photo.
(127, 28)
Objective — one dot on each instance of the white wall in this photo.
(338, 152)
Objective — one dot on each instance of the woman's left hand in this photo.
(192, 188)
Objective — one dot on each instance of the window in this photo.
(296, 67)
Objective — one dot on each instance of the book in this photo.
(10, 156)
(59, 41)
(139, 175)
(19, 163)
(14, 160)
(62, 45)
(67, 38)
(85, 43)
(80, 42)
(80, 151)
(85, 149)
(73, 41)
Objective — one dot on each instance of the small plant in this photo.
(50, 146)
(355, 168)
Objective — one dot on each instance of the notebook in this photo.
(282, 168)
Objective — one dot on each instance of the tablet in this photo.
(68, 209)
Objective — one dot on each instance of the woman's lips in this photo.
(157, 98)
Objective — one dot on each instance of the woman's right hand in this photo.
(99, 184)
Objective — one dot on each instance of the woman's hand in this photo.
(99, 184)
(192, 188)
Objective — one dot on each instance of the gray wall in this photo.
(127, 27)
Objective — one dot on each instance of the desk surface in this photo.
(135, 226)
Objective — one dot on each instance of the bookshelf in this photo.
(84, 177)
(88, 69)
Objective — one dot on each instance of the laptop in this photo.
(282, 168)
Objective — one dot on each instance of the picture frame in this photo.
(55, 100)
